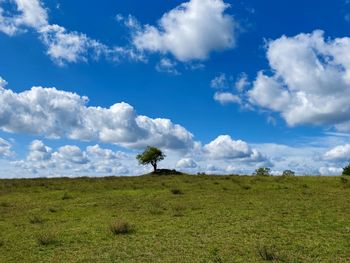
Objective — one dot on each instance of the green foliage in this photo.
(288, 173)
(151, 155)
(346, 170)
(262, 171)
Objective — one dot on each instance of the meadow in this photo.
(176, 218)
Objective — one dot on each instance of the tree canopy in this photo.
(151, 155)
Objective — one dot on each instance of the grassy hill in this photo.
(175, 219)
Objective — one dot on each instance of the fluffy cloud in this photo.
(39, 152)
(59, 114)
(31, 13)
(339, 154)
(310, 80)
(63, 46)
(70, 160)
(226, 98)
(5, 149)
(189, 32)
(224, 147)
(186, 163)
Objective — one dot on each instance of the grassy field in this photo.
(175, 219)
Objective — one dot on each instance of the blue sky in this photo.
(221, 86)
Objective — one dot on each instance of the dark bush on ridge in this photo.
(166, 172)
(262, 171)
(288, 173)
(346, 170)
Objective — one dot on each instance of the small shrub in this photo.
(47, 238)
(53, 209)
(268, 253)
(288, 173)
(66, 196)
(2, 243)
(176, 191)
(246, 187)
(346, 170)
(262, 171)
(120, 228)
(36, 220)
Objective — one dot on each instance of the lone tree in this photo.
(151, 155)
(346, 170)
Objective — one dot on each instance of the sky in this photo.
(222, 87)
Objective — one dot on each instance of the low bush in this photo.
(120, 227)
(262, 171)
(176, 191)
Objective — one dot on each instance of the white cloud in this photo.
(224, 147)
(62, 46)
(31, 13)
(60, 114)
(242, 82)
(339, 153)
(190, 31)
(66, 46)
(226, 98)
(328, 171)
(310, 81)
(39, 152)
(70, 160)
(186, 163)
(220, 82)
(168, 66)
(5, 149)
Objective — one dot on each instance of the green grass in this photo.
(214, 219)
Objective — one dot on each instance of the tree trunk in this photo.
(154, 166)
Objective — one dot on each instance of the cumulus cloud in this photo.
(339, 153)
(39, 152)
(224, 147)
(62, 46)
(186, 163)
(5, 149)
(70, 160)
(60, 114)
(190, 31)
(309, 81)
